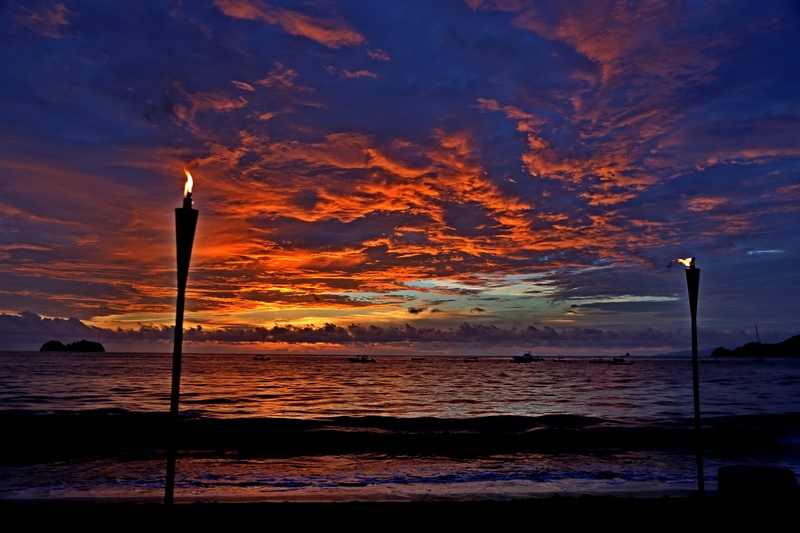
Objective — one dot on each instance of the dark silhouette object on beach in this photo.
(79, 346)
(693, 286)
(185, 225)
(788, 348)
(744, 481)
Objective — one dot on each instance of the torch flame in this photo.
(187, 189)
(689, 261)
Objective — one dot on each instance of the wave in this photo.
(42, 436)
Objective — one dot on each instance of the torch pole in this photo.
(185, 224)
(693, 284)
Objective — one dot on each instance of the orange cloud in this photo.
(193, 103)
(280, 77)
(789, 192)
(436, 185)
(379, 54)
(47, 20)
(243, 86)
(640, 57)
(331, 33)
(512, 112)
(707, 203)
(621, 37)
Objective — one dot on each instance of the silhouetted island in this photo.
(788, 348)
(79, 346)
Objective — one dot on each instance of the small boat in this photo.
(559, 359)
(361, 359)
(470, 359)
(260, 357)
(527, 357)
(620, 361)
(417, 358)
(598, 360)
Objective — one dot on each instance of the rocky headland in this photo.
(79, 346)
(788, 348)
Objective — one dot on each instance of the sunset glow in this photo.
(472, 176)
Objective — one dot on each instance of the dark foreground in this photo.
(600, 512)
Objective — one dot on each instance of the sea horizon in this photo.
(706, 352)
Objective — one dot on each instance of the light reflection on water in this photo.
(652, 389)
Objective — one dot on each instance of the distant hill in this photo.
(79, 346)
(701, 352)
(788, 348)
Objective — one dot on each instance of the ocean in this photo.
(321, 428)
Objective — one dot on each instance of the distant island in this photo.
(79, 346)
(788, 348)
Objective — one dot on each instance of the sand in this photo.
(600, 512)
(763, 497)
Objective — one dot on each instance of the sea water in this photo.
(322, 428)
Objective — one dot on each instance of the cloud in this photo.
(705, 204)
(623, 39)
(519, 156)
(378, 54)
(280, 76)
(346, 74)
(28, 329)
(329, 32)
(45, 18)
(359, 74)
(243, 86)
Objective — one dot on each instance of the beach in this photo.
(601, 512)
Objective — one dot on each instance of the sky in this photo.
(401, 176)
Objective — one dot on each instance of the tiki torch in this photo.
(693, 284)
(185, 224)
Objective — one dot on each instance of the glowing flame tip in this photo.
(187, 189)
(688, 262)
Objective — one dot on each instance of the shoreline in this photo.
(625, 512)
(479, 493)
(749, 495)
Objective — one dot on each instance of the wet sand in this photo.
(627, 513)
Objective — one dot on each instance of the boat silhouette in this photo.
(527, 357)
(361, 359)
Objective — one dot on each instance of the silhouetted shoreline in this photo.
(788, 348)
